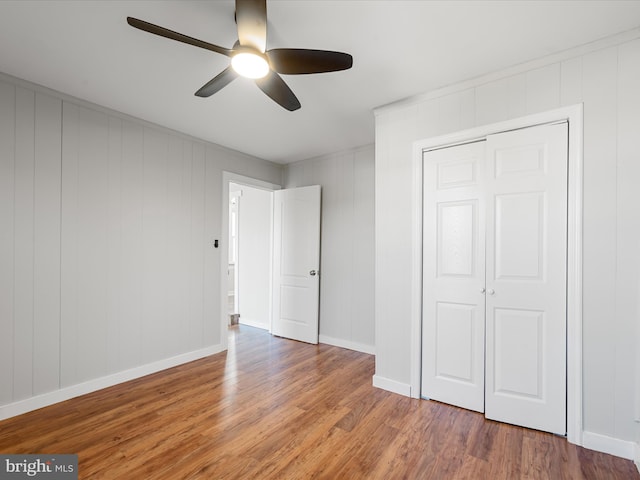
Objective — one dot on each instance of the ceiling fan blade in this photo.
(251, 17)
(278, 91)
(296, 61)
(165, 32)
(217, 83)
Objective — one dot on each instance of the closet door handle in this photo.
(491, 291)
(313, 273)
(482, 290)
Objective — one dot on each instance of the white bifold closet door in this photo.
(453, 276)
(494, 278)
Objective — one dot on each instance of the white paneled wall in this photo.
(133, 209)
(604, 79)
(599, 76)
(347, 255)
(30, 242)
(628, 225)
(7, 237)
(107, 268)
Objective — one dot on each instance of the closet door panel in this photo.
(453, 303)
(526, 188)
(520, 221)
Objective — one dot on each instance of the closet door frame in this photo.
(573, 115)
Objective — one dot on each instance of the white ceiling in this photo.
(400, 49)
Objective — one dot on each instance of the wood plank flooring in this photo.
(271, 408)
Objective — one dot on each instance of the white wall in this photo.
(605, 78)
(107, 268)
(347, 244)
(254, 247)
(30, 168)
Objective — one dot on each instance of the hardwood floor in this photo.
(277, 409)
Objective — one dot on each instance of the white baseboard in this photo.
(66, 393)
(637, 456)
(339, 342)
(253, 323)
(392, 385)
(612, 446)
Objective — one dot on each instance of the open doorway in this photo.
(286, 262)
(235, 191)
(245, 280)
(249, 267)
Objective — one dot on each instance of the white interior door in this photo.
(296, 262)
(453, 252)
(526, 277)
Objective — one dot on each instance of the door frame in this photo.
(230, 177)
(574, 116)
(236, 278)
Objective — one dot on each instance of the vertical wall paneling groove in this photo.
(212, 256)
(456, 111)
(345, 206)
(362, 326)
(600, 97)
(500, 100)
(154, 227)
(46, 256)
(428, 119)
(337, 263)
(175, 234)
(542, 89)
(571, 82)
(69, 250)
(24, 244)
(92, 228)
(183, 342)
(7, 238)
(348, 221)
(130, 330)
(340, 261)
(197, 248)
(517, 86)
(114, 243)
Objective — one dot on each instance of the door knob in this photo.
(482, 290)
(313, 273)
(491, 291)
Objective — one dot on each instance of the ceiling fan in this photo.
(250, 58)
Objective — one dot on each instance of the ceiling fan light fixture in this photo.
(250, 64)
(250, 57)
